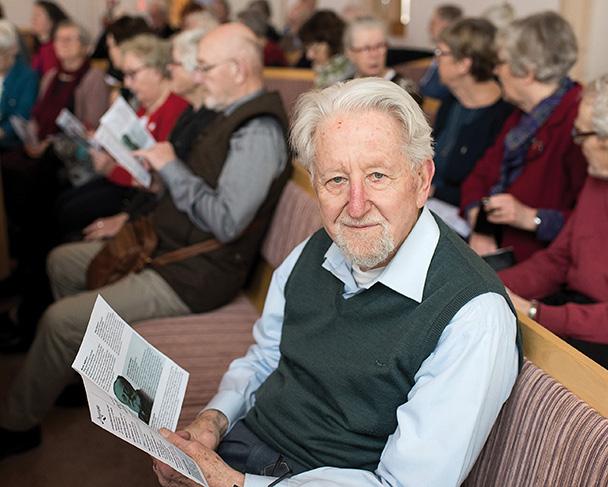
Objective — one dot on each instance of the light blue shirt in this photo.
(458, 391)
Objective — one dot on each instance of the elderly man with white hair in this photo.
(386, 347)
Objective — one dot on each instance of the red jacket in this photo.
(552, 177)
(160, 124)
(578, 260)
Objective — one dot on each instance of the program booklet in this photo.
(121, 131)
(132, 388)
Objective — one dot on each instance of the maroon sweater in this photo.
(578, 259)
(552, 177)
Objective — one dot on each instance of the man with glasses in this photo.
(365, 43)
(226, 190)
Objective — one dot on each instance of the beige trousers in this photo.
(47, 369)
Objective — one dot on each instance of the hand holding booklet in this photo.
(121, 131)
(132, 388)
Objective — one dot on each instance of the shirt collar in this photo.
(406, 272)
(235, 104)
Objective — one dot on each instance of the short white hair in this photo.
(8, 36)
(361, 95)
(596, 93)
(186, 44)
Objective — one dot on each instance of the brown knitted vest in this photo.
(209, 280)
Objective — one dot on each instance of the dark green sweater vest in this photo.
(347, 364)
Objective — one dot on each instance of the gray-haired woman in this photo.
(570, 278)
(527, 183)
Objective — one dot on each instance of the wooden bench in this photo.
(553, 430)
(290, 83)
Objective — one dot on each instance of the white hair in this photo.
(543, 44)
(8, 36)
(361, 95)
(186, 44)
(596, 93)
(362, 23)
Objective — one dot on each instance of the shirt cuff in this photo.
(174, 171)
(231, 404)
(258, 480)
(551, 222)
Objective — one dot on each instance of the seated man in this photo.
(568, 277)
(386, 347)
(232, 178)
(366, 46)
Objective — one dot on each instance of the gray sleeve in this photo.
(257, 155)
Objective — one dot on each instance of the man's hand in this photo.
(216, 471)
(105, 227)
(520, 303)
(102, 162)
(482, 244)
(208, 428)
(505, 209)
(158, 156)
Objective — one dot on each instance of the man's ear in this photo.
(425, 173)
(240, 71)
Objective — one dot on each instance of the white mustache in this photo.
(360, 222)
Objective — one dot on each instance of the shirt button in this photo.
(464, 149)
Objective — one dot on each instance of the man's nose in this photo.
(358, 204)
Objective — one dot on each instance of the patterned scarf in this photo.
(520, 137)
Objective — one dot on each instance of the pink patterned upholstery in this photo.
(544, 436)
(296, 217)
(204, 345)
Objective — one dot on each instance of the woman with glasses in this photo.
(473, 113)
(565, 287)
(523, 189)
(145, 65)
(366, 46)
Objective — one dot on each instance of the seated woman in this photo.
(366, 45)
(184, 83)
(529, 180)
(471, 116)
(570, 277)
(18, 88)
(145, 61)
(45, 18)
(321, 36)
(31, 179)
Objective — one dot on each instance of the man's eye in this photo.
(337, 180)
(377, 176)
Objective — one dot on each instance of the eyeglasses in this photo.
(367, 49)
(578, 136)
(131, 73)
(206, 68)
(437, 52)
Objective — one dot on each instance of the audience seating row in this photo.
(545, 434)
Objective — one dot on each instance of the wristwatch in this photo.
(533, 309)
(537, 221)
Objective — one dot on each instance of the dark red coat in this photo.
(552, 177)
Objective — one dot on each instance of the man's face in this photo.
(368, 52)
(594, 148)
(369, 196)
(216, 72)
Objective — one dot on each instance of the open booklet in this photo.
(121, 131)
(132, 388)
